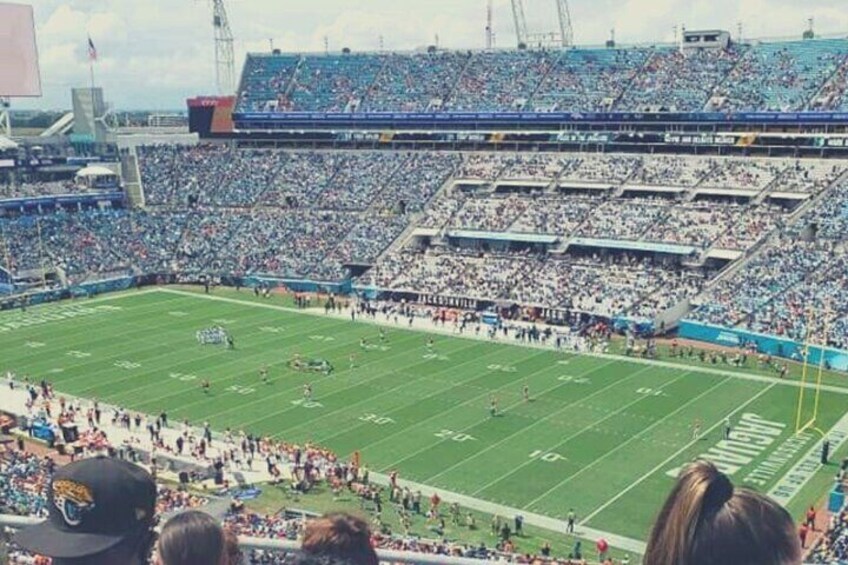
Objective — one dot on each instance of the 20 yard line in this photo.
(476, 423)
(537, 422)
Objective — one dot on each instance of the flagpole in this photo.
(92, 57)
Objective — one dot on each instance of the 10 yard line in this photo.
(674, 455)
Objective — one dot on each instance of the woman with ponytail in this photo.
(706, 521)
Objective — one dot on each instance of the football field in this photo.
(600, 434)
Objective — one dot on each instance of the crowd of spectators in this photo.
(553, 215)
(664, 170)
(63, 240)
(416, 82)
(628, 219)
(612, 169)
(802, 269)
(331, 84)
(744, 174)
(679, 81)
(829, 215)
(169, 500)
(214, 175)
(832, 96)
(833, 547)
(500, 81)
(588, 80)
(316, 214)
(23, 482)
(778, 76)
(808, 176)
(609, 286)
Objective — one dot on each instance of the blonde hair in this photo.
(706, 521)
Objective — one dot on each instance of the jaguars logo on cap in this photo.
(74, 500)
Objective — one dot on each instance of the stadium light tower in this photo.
(563, 37)
(225, 66)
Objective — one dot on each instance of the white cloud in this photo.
(155, 53)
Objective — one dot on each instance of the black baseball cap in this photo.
(93, 505)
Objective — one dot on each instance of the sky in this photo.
(153, 54)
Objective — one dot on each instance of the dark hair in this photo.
(192, 538)
(342, 536)
(706, 521)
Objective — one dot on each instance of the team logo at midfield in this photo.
(74, 501)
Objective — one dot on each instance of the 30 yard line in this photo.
(364, 381)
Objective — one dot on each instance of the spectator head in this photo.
(340, 536)
(314, 559)
(192, 538)
(100, 512)
(706, 521)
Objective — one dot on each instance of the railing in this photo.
(288, 546)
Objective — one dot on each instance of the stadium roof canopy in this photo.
(95, 171)
(6, 143)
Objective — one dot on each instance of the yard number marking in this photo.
(375, 419)
(240, 389)
(547, 457)
(307, 403)
(78, 354)
(182, 376)
(454, 436)
(574, 380)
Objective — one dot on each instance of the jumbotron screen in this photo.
(211, 115)
(18, 52)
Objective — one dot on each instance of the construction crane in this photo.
(225, 66)
(490, 33)
(563, 37)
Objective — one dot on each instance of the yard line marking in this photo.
(441, 391)
(536, 423)
(584, 468)
(104, 298)
(81, 323)
(607, 416)
(476, 423)
(150, 346)
(262, 340)
(673, 456)
(363, 381)
(791, 483)
(239, 407)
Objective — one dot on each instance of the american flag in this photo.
(92, 50)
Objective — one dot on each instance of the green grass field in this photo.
(600, 435)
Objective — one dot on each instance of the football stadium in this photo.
(528, 301)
